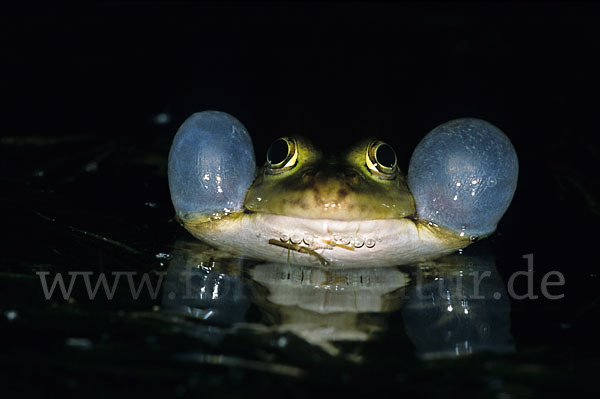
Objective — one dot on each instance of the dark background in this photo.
(334, 72)
(330, 70)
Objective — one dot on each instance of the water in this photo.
(83, 171)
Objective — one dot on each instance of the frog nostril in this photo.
(342, 193)
(309, 173)
(350, 177)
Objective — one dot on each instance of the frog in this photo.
(352, 209)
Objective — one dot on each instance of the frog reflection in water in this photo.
(348, 210)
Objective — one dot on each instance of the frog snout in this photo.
(326, 178)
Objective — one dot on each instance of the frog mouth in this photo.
(309, 243)
(345, 241)
(317, 237)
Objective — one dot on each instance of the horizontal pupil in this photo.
(278, 152)
(385, 156)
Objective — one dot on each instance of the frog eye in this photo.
(381, 159)
(282, 155)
